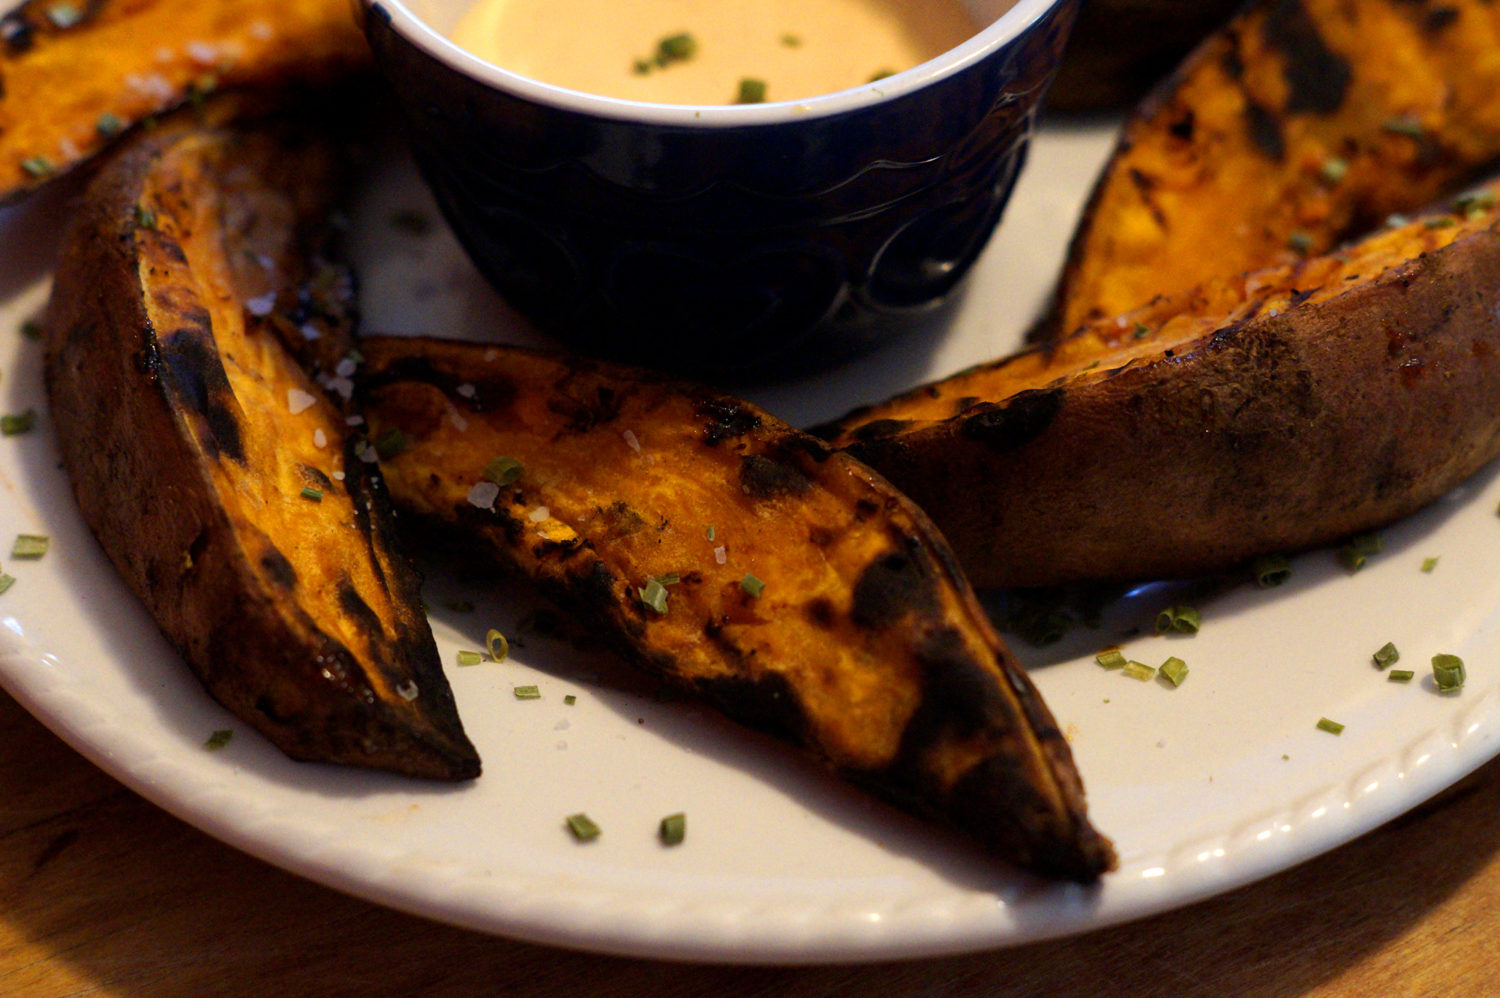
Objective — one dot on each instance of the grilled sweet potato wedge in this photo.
(77, 73)
(1301, 124)
(1276, 411)
(219, 478)
(742, 560)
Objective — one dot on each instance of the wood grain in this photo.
(101, 893)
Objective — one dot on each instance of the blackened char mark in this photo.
(896, 583)
(877, 428)
(1265, 131)
(768, 478)
(194, 378)
(1439, 18)
(482, 392)
(278, 568)
(1317, 78)
(727, 419)
(598, 405)
(767, 702)
(1016, 424)
(357, 610)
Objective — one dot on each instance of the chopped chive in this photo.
(673, 829)
(1428, 564)
(1271, 570)
(676, 48)
(1110, 658)
(527, 693)
(390, 443)
(469, 658)
(582, 827)
(1332, 727)
(1333, 170)
(1474, 203)
(751, 91)
(1404, 125)
(15, 425)
(218, 739)
(1174, 670)
(670, 579)
(791, 41)
(38, 167)
(1179, 619)
(145, 218)
(31, 329)
(1440, 222)
(64, 15)
(1139, 670)
(1448, 672)
(1399, 676)
(1386, 655)
(654, 595)
(880, 74)
(496, 645)
(709, 533)
(641, 67)
(570, 699)
(504, 471)
(1141, 330)
(753, 586)
(1299, 242)
(109, 125)
(6, 581)
(1354, 552)
(308, 492)
(30, 546)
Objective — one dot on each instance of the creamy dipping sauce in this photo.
(794, 48)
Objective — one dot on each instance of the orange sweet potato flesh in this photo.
(865, 645)
(76, 73)
(1301, 124)
(1268, 413)
(190, 434)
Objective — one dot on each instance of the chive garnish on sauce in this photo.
(1354, 552)
(751, 91)
(1174, 670)
(1139, 670)
(1111, 658)
(1399, 676)
(1332, 727)
(1386, 655)
(527, 693)
(218, 739)
(582, 827)
(469, 658)
(6, 581)
(1179, 620)
(1271, 570)
(496, 645)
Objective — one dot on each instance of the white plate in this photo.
(1203, 787)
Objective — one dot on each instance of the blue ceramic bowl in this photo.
(723, 239)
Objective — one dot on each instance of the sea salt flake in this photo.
(338, 476)
(632, 440)
(539, 514)
(345, 368)
(299, 401)
(721, 554)
(310, 332)
(261, 305)
(466, 390)
(484, 494)
(320, 439)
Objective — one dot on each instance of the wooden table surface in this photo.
(102, 893)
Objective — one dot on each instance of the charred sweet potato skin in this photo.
(74, 76)
(189, 433)
(1301, 124)
(1285, 410)
(864, 646)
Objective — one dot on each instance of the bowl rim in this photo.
(984, 43)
